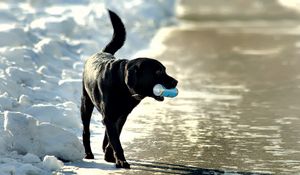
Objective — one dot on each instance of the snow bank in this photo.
(30, 136)
(42, 49)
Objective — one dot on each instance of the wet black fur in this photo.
(115, 87)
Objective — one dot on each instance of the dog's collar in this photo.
(135, 95)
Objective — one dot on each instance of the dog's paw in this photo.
(122, 164)
(89, 156)
(109, 158)
(109, 155)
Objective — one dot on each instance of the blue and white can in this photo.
(160, 90)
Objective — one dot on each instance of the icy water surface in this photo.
(238, 106)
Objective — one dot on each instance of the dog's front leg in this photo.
(114, 141)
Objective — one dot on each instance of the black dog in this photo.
(115, 87)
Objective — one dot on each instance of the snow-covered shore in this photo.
(42, 48)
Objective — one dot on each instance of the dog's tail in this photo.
(119, 35)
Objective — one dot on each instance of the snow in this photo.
(31, 158)
(42, 49)
(52, 163)
(28, 169)
(28, 135)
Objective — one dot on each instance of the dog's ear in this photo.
(131, 76)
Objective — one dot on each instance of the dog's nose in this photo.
(174, 83)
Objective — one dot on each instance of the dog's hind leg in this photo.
(114, 141)
(120, 123)
(107, 148)
(86, 113)
(105, 142)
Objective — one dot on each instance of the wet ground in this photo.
(238, 109)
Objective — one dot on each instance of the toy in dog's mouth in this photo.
(160, 92)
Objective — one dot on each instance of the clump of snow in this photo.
(15, 166)
(14, 37)
(5, 142)
(31, 136)
(26, 169)
(24, 100)
(7, 169)
(60, 114)
(52, 163)
(6, 101)
(31, 158)
(2, 145)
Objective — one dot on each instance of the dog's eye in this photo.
(159, 72)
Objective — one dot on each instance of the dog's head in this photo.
(142, 74)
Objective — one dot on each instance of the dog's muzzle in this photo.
(159, 98)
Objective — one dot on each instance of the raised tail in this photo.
(119, 34)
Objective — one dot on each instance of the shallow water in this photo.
(238, 106)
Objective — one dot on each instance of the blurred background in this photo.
(238, 107)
